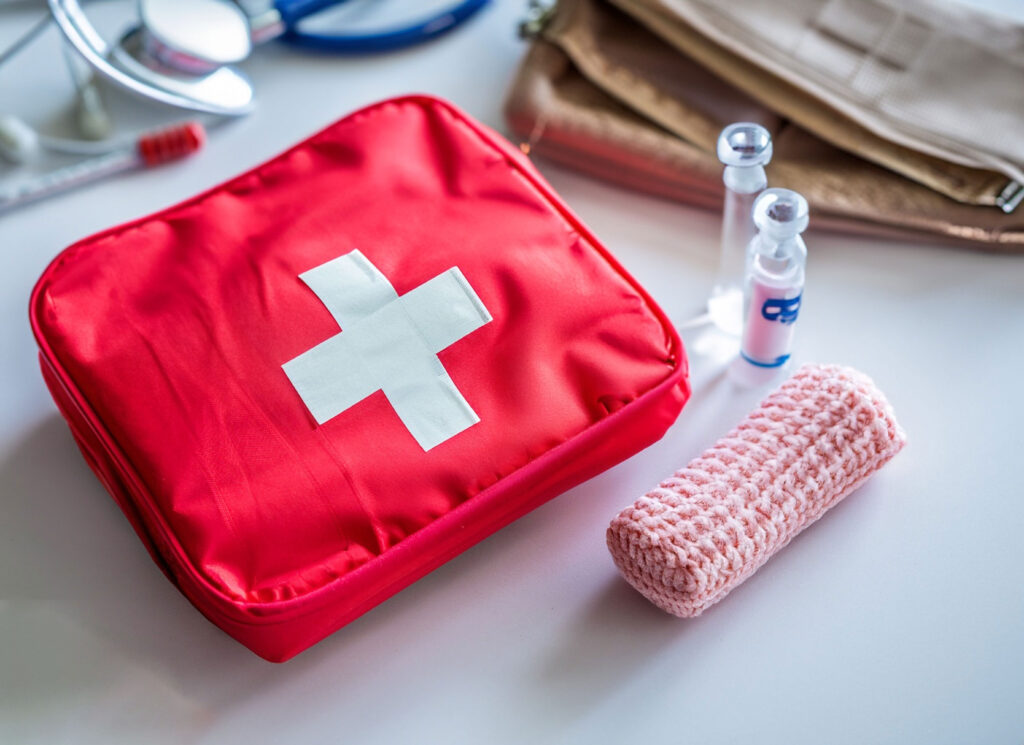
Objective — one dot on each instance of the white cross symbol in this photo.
(389, 343)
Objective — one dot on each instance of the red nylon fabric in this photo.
(162, 341)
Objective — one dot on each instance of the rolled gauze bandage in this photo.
(697, 536)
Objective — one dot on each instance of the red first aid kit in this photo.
(313, 384)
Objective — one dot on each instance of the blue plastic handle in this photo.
(415, 33)
(293, 11)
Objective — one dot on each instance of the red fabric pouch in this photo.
(317, 382)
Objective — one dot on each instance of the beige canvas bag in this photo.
(632, 91)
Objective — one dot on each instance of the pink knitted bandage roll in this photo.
(697, 536)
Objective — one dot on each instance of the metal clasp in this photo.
(538, 14)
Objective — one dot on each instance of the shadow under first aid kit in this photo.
(311, 385)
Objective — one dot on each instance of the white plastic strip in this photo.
(389, 343)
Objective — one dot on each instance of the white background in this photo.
(898, 618)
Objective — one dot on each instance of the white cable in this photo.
(68, 146)
(90, 113)
(25, 39)
(19, 143)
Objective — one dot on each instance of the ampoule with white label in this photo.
(774, 285)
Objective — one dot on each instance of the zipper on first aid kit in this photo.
(107, 467)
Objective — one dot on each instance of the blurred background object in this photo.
(893, 119)
(151, 58)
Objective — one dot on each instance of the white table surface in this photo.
(898, 618)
